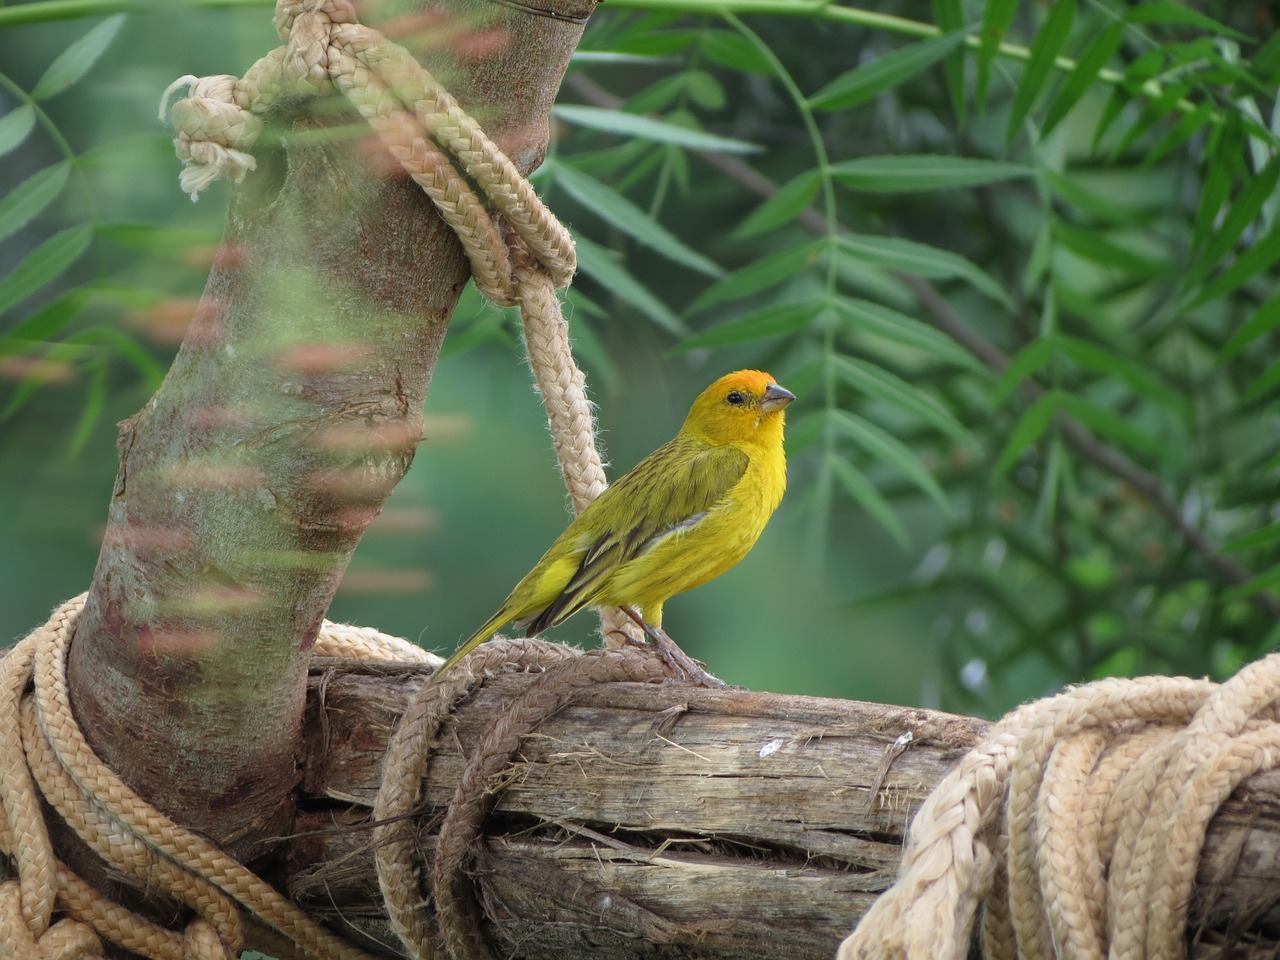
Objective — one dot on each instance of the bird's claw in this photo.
(679, 662)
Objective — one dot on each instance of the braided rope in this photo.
(1078, 823)
(44, 754)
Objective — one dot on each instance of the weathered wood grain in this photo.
(664, 821)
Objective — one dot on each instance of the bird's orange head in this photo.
(743, 406)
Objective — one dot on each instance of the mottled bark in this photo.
(291, 412)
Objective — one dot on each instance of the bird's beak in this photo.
(775, 398)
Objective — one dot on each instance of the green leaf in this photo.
(646, 128)
(1095, 56)
(46, 322)
(864, 316)
(127, 348)
(704, 90)
(1226, 157)
(1103, 421)
(760, 274)
(918, 173)
(889, 449)
(618, 211)
(1094, 245)
(1028, 430)
(774, 320)
(1265, 383)
(24, 202)
(1243, 212)
(864, 493)
(870, 79)
(1259, 325)
(1264, 581)
(921, 260)
(157, 240)
(997, 15)
(15, 127)
(1263, 537)
(949, 15)
(1187, 127)
(95, 399)
(1258, 256)
(792, 197)
(1023, 366)
(599, 264)
(44, 264)
(75, 61)
(879, 383)
(1044, 53)
(734, 51)
(1176, 13)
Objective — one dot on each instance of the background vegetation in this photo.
(1018, 263)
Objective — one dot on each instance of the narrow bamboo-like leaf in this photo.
(125, 347)
(879, 383)
(949, 15)
(1069, 189)
(45, 323)
(1099, 359)
(1176, 13)
(1044, 53)
(1136, 76)
(864, 493)
(1103, 421)
(734, 51)
(1243, 212)
(792, 197)
(15, 127)
(1264, 581)
(158, 240)
(1187, 127)
(95, 399)
(646, 128)
(997, 15)
(760, 274)
(1155, 111)
(599, 264)
(43, 264)
(1024, 365)
(1095, 56)
(874, 319)
(918, 173)
(889, 449)
(1255, 258)
(922, 260)
(1263, 537)
(617, 210)
(75, 61)
(1226, 157)
(1028, 430)
(24, 202)
(771, 321)
(1264, 385)
(1101, 249)
(870, 79)
(1259, 325)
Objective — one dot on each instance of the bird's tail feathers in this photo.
(480, 636)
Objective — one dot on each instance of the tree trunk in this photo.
(291, 412)
(670, 821)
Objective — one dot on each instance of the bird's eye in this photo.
(736, 398)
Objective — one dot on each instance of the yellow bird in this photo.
(684, 515)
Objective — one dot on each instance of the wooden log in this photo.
(663, 821)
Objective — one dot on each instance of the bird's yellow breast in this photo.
(690, 556)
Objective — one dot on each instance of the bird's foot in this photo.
(676, 659)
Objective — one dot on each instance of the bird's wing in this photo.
(668, 492)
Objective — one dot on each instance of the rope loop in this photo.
(1078, 823)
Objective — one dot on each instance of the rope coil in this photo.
(1078, 823)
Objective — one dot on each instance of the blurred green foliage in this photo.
(1018, 263)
